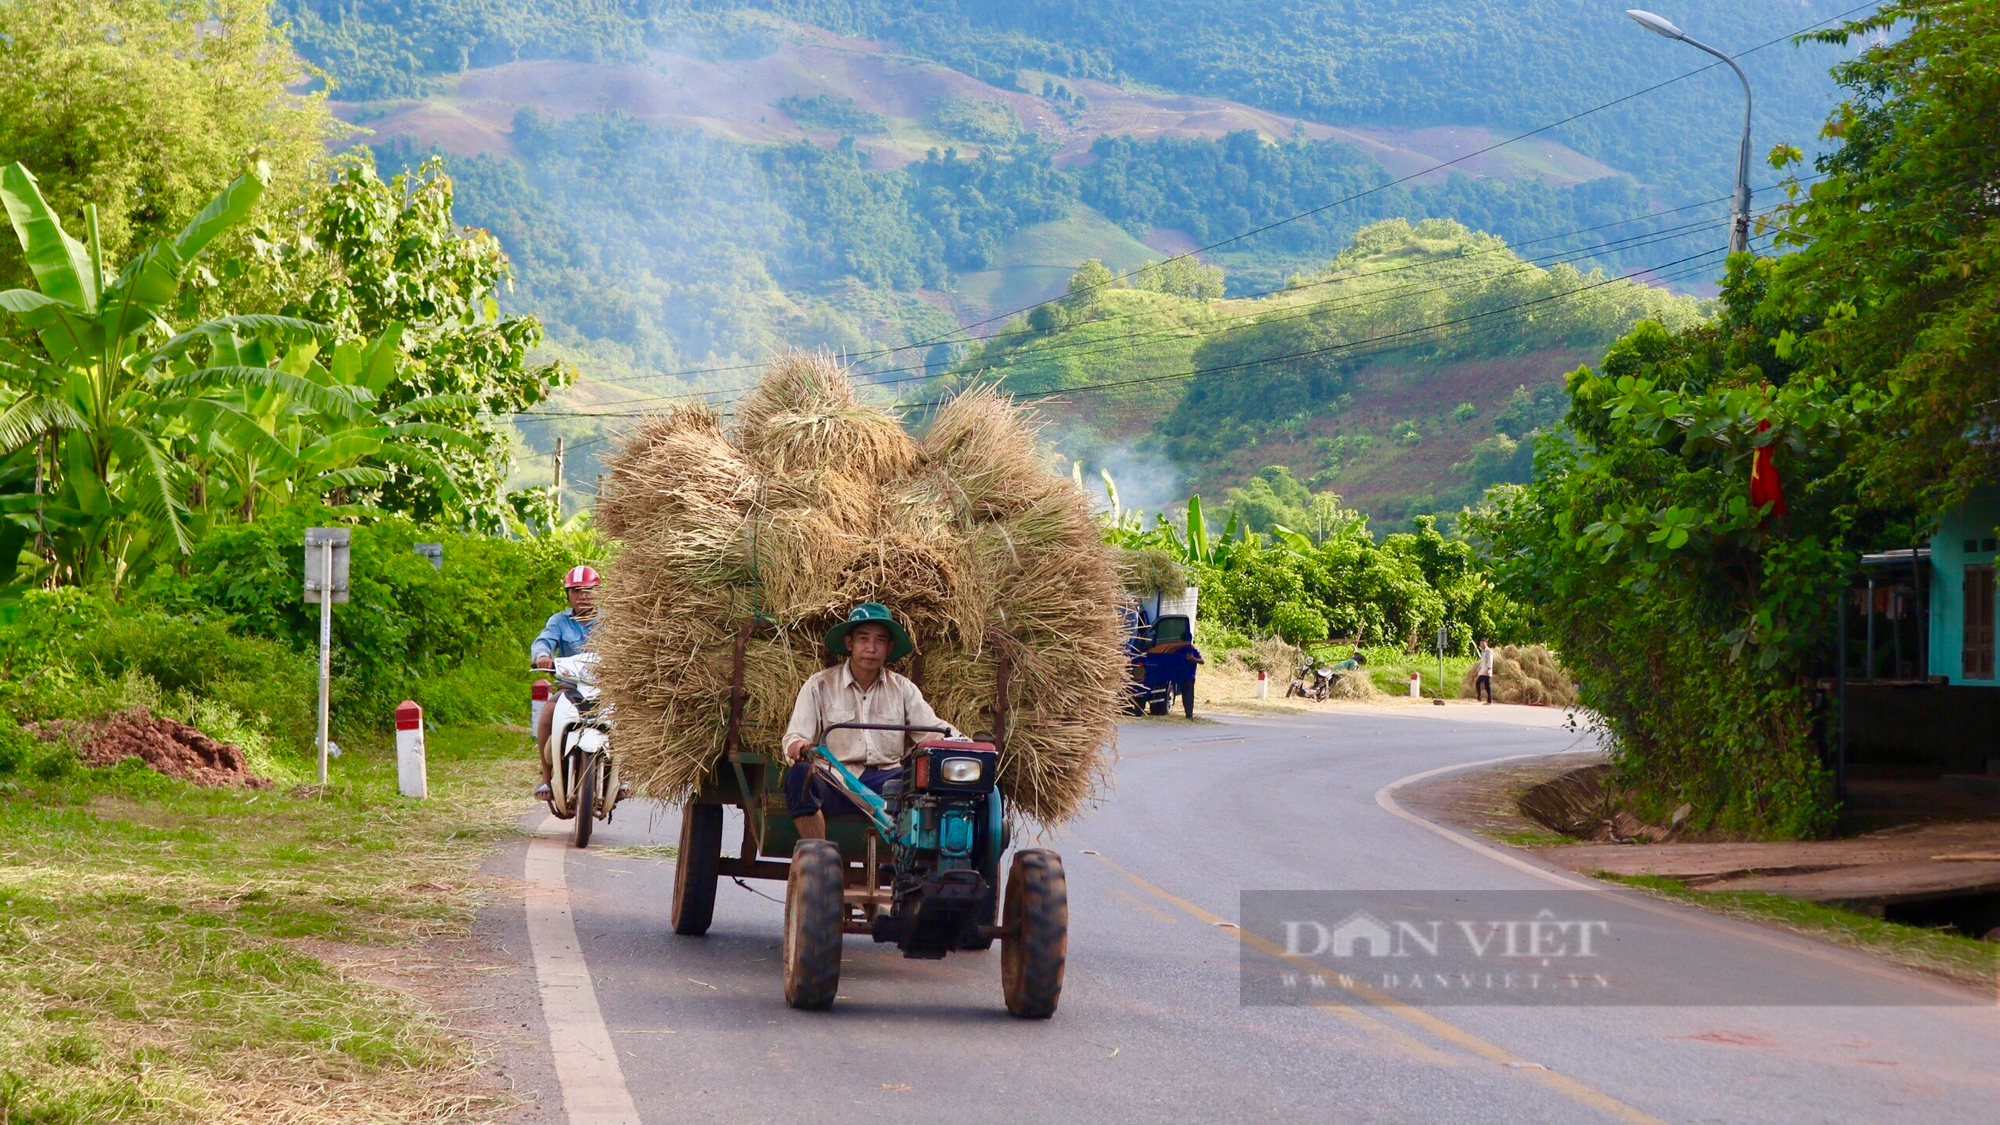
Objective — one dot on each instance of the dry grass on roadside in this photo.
(163, 949)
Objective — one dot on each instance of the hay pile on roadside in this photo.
(814, 501)
(1355, 684)
(1524, 674)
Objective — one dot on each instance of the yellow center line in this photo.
(1449, 1032)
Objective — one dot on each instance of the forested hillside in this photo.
(1408, 374)
(1508, 63)
(685, 185)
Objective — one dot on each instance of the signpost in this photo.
(326, 551)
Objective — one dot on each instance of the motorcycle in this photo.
(585, 787)
(1313, 681)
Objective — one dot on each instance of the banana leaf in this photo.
(61, 265)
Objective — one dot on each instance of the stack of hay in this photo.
(1355, 684)
(1524, 674)
(813, 502)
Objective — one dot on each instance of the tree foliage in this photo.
(143, 107)
(1697, 621)
(369, 259)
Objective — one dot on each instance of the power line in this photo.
(1343, 303)
(956, 333)
(1348, 346)
(1414, 175)
(1292, 287)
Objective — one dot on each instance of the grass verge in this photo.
(173, 953)
(1943, 953)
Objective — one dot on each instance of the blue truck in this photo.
(1161, 660)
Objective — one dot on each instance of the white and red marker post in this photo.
(538, 698)
(411, 776)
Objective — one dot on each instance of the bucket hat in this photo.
(870, 613)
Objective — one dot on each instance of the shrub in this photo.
(1298, 623)
(406, 624)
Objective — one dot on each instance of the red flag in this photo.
(1765, 487)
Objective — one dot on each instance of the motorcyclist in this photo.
(565, 634)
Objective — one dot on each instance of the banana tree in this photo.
(91, 402)
(279, 422)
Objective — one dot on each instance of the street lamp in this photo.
(1739, 218)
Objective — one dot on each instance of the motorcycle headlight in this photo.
(593, 740)
(959, 771)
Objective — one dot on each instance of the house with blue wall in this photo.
(1961, 603)
(1920, 687)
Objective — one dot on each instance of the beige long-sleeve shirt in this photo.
(831, 696)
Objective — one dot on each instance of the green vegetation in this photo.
(1959, 958)
(183, 389)
(146, 124)
(1695, 614)
(1505, 64)
(824, 111)
(1338, 583)
(175, 953)
(1319, 361)
(963, 117)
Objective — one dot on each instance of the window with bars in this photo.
(1977, 659)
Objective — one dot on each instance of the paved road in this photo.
(1152, 1027)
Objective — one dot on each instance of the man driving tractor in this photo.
(565, 635)
(860, 689)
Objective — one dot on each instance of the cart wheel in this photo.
(586, 801)
(695, 864)
(1037, 934)
(813, 909)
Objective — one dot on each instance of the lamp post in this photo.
(1739, 218)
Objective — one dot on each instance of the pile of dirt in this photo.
(1524, 674)
(173, 748)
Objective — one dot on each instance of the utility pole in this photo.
(559, 474)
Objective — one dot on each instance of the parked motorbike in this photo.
(585, 785)
(1313, 680)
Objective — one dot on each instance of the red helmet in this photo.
(580, 577)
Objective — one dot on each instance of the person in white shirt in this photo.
(1482, 688)
(860, 689)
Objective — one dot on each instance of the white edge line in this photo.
(586, 1061)
(1787, 940)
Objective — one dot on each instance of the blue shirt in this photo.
(564, 635)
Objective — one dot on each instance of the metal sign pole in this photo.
(325, 650)
(326, 584)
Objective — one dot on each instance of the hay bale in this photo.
(1150, 570)
(1355, 684)
(1524, 674)
(814, 501)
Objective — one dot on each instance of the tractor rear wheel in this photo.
(1036, 929)
(695, 869)
(813, 911)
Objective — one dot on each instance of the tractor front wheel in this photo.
(696, 866)
(813, 910)
(1035, 929)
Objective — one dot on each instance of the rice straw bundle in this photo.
(1524, 674)
(814, 501)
